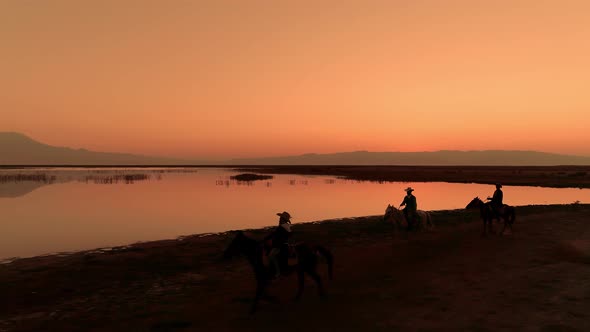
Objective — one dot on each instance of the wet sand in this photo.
(446, 279)
(546, 176)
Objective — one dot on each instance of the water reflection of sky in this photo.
(66, 216)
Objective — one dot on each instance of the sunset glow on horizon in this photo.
(231, 79)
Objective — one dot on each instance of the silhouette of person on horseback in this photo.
(496, 201)
(411, 207)
(279, 253)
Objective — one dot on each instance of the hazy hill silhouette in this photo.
(13, 189)
(442, 158)
(18, 149)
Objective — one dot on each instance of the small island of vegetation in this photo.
(250, 177)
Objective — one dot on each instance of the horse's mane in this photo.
(475, 203)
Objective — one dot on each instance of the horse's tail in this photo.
(329, 259)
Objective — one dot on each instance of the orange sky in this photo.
(222, 79)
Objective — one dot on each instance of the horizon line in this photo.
(227, 159)
(16, 166)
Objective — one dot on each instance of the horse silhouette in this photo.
(487, 214)
(307, 260)
(397, 217)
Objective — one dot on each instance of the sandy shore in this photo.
(448, 279)
(546, 176)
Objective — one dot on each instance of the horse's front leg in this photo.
(491, 225)
(504, 227)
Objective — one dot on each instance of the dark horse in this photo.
(488, 215)
(307, 260)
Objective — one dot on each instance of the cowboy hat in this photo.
(284, 215)
(409, 189)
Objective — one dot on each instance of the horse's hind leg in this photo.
(300, 283)
(259, 292)
(316, 277)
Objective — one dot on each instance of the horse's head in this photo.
(388, 211)
(235, 247)
(391, 212)
(475, 203)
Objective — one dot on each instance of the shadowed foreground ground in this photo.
(448, 279)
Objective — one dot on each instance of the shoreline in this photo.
(129, 246)
(320, 223)
(151, 243)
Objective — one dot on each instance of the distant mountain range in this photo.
(18, 149)
(437, 158)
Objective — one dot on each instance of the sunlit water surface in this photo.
(78, 209)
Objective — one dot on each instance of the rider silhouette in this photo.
(496, 201)
(411, 207)
(279, 254)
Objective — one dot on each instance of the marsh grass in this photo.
(96, 176)
(42, 177)
(116, 178)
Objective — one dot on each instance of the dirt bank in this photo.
(546, 176)
(536, 279)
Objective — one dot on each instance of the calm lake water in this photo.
(49, 210)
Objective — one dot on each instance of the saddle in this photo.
(292, 251)
(497, 212)
(415, 216)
